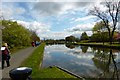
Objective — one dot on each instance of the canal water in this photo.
(85, 61)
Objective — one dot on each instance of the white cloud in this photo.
(19, 0)
(82, 27)
(19, 10)
(62, 35)
(52, 8)
(9, 10)
(57, 8)
(40, 9)
(43, 30)
(47, 8)
(55, 35)
(84, 18)
(38, 27)
(48, 0)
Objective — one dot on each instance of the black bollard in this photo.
(21, 73)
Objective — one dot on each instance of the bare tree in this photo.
(108, 16)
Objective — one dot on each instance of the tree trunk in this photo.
(110, 39)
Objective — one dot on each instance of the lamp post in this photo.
(1, 28)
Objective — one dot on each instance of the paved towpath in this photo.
(16, 59)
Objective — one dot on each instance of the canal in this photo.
(85, 61)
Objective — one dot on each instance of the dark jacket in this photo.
(5, 54)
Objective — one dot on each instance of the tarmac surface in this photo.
(16, 60)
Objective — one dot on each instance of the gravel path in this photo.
(16, 59)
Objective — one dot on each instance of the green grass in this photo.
(106, 44)
(34, 62)
(99, 43)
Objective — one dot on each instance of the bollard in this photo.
(21, 73)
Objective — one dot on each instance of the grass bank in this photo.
(34, 62)
(106, 45)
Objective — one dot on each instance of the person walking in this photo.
(33, 43)
(5, 55)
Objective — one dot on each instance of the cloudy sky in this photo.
(52, 19)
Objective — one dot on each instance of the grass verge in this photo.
(34, 62)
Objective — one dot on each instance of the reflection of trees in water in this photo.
(84, 49)
(105, 61)
(115, 71)
(70, 45)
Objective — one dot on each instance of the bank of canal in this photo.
(105, 45)
(85, 61)
(34, 62)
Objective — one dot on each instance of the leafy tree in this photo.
(15, 34)
(99, 27)
(84, 36)
(98, 37)
(102, 37)
(70, 38)
(77, 39)
(34, 36)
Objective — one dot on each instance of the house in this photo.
(118, 36)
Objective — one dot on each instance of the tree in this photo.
(77, 39)
(84, 36)
(99, 27)
(34, 36)
(15, 34)
(70, 38)
(98, 37)
(110, 15)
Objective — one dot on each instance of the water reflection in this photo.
(70, 45)
(83, 60)
(104, 59)
(84, 49)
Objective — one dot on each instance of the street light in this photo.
(1, 27)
